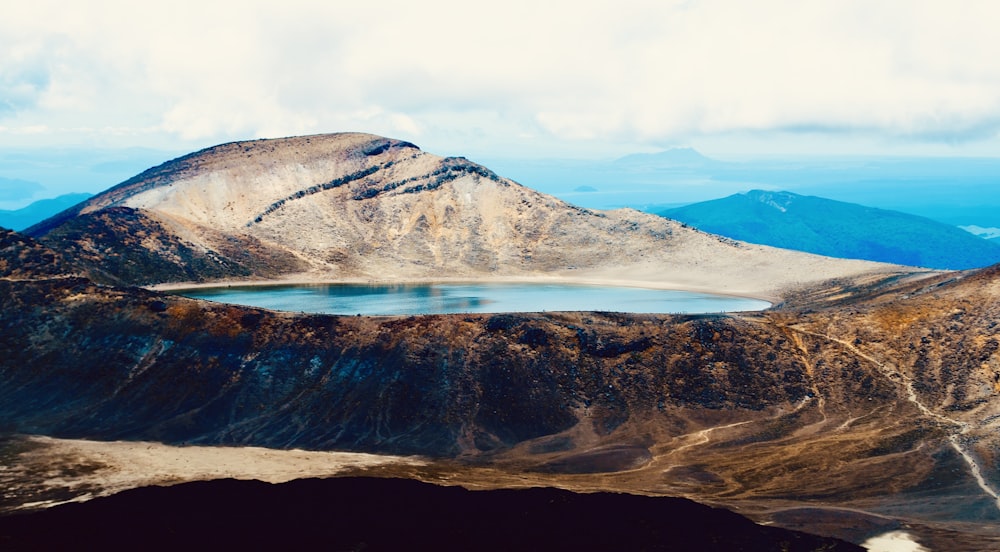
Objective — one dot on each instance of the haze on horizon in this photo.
(520, 79)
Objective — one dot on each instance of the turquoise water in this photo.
(410, 299)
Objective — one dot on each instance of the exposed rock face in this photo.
(438, 385)
(360, 206)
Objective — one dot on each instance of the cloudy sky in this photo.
(513, 78)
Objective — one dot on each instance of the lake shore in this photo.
(584, 279)
(747, 282)
(392, 299)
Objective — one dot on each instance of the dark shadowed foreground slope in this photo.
(392, 514)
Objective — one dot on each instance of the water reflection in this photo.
(411, 299)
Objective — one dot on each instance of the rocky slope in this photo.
(876, 394)
(22, 258)
(357, 206)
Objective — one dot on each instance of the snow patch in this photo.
(893, 541)
(986, 233)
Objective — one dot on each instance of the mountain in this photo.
(953, 190)
(357, 206)
(671, 158)
(19, 219)
(865, 401)
(838, 229)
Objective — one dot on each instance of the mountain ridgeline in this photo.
(19, 219)
(838, 229)
(357, 206)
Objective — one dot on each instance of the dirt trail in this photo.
(960, 428)
(701, 436)
(796, 338)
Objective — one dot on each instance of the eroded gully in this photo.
(960, 428)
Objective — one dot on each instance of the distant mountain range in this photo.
(838, 229)
(958, 191)
(19, 219)
(674, 157)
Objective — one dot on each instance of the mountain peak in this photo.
(264, 155)
(778, 200)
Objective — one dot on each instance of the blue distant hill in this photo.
(19, 219)
(838, 229)
(674, 157)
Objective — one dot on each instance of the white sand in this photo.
(126, 465)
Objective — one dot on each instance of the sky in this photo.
(508, 79)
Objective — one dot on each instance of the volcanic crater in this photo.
(865, 400)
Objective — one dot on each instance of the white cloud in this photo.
(600, 72)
